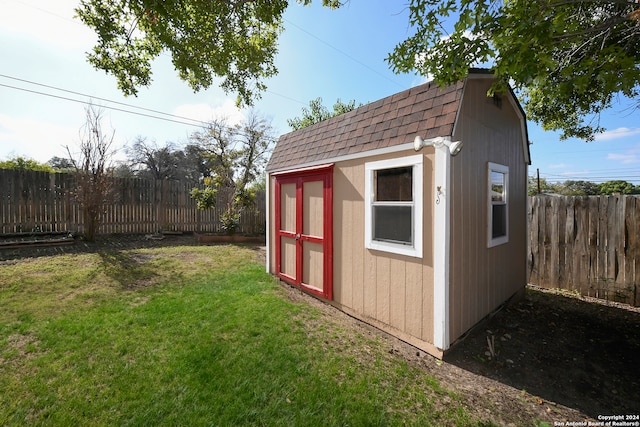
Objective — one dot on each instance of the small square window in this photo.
(393, 216)
(394, 185)
(498, 212)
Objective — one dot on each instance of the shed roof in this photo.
(427, 109)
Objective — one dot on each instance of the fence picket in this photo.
(632, 248)
(568, 227)
(600, 235)
(533, 240)
(39, 200)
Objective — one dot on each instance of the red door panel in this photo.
(303, 220)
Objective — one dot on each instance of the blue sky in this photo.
(331, 54)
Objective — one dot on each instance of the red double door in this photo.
(303, 221)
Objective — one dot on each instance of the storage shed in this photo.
(408, 213)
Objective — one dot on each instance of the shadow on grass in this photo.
(115, 242)
(110, 243)
(129, 270)
(579, 354)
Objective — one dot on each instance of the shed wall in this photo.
(482, 278)
(393, 292)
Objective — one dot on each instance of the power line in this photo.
(620, 170)
(285, 97)
(579, 152)
(49, 12)
(198, 122)
(104, 106)
(589, 177)
(633, 177)
(357, 61)
(186, 118)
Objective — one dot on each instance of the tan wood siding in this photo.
(393, 291)
(414, 304)
(346, 200)
(398, 294)
(482, 278)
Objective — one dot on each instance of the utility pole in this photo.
(538, 177)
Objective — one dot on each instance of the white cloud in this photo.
(621, 132)
(630, 157)
(50, 22)
(33, 138)
(206, 113)
(559, 166)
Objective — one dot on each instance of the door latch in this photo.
(298, 236)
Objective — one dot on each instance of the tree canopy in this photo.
(581, 188)
(148, 160)
(233, 39)
(567, 58)
(21, 163)
(619, 187)
(60, 163)
(237, 156)
(317, 113)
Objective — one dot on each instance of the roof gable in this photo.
(394, 120)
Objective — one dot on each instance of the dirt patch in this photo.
(21, 343)
(19, 348)
(566, 351)
(556, 358)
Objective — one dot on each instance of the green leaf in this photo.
(567, 59)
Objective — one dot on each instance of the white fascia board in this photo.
(360, 155)
(523, 126)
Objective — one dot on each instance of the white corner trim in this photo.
(441, 245)
(267, 195)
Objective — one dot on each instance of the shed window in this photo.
(498, 204)
(393, 218)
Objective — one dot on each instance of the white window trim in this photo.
(491, 241)
(415, 162)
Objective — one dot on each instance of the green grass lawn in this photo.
(191, 335)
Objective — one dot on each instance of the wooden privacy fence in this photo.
(42, 201)
(589, 245)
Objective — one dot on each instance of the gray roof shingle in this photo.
(426, 110)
